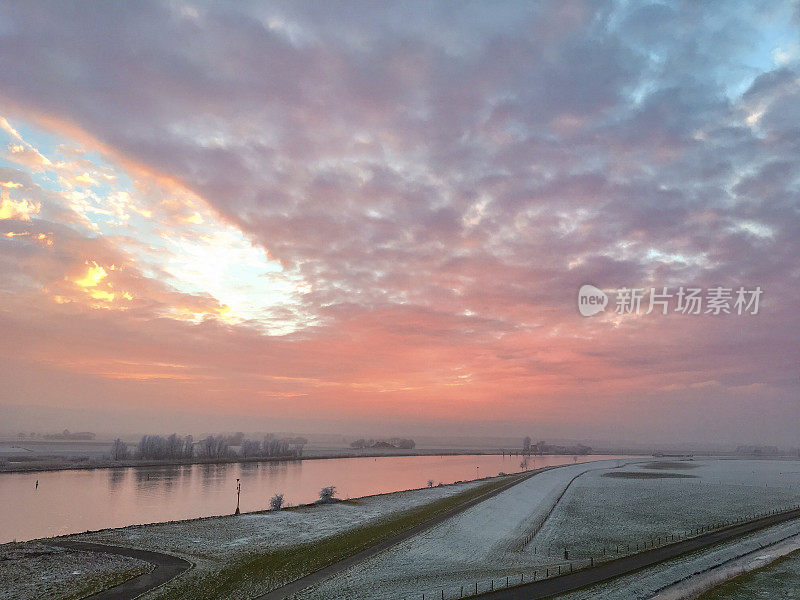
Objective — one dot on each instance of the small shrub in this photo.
(430, 482)
(326, 494)
(276, 502)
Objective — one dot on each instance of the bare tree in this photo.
(250, 448)
(119, 450)
(188, 447)
(214, 447)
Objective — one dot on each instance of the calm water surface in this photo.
(75, 501)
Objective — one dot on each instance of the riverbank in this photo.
(72, 501)
(45, 464)
(243, 555)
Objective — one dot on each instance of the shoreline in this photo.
(295, 507)
(133, 463)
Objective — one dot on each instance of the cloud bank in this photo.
(376, 213)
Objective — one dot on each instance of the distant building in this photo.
(543, 447)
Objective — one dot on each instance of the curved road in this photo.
(166, 567)
(572, 581)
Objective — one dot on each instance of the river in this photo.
(78, 500)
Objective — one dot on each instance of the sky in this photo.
(376, 217)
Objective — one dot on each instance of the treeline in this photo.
(273, 447)
(212, 447)
(155, 447)
(397, 443)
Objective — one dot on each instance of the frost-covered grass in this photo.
(694, 586)
(779, 580)
(479, 543)
(242, 556)
(515, 533)
(644, 584)
(32, 570)
(600, 512)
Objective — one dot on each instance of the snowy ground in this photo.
(33, 570)
(604, 512)
(645, 584)
(761, 559)
(221, 537)
(778, 581)
(596, 516)
(479, 543)
(211, 542)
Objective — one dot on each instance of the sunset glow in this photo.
(343, 221)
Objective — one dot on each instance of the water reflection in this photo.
(116, 477)
(73, 501)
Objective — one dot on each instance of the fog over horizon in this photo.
(284, 216)
(701, 436)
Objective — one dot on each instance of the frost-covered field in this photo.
(728, 573)
(212, 542)
(780, 580)
(221, 537)
(606, 512)
(477, 544)
(32, 570)
(644, 584)
(597, 516)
